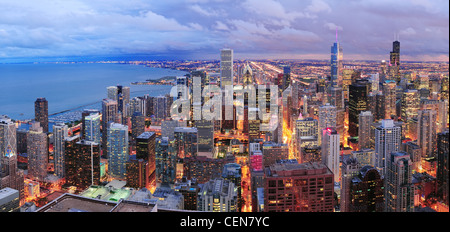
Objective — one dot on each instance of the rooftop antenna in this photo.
(336, 34)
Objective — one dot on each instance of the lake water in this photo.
(68, 86)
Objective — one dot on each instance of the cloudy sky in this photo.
(198, 29)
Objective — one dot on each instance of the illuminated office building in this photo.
(218, 195)
(293, 187)
(331, 151)
(415, 153)
(186, 141)
(109, 115)
(41, 113)
(82, 162)
(92, 130)
(426, 132)
(327, 118)
(336, 64)
(60, 133)
(165, 161)
(349, 170)
(364, 129)
(442, 174)
(389, 93)
(394, 62)
(146, 150)
(364, 156)
(117, 149)
(409, 104)
(226, 67)
(357, 103)
(205, 130)
(37, 151)
(399, 189)
(387, 141)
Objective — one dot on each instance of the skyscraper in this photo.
(389, 93)
(293, 187)
(121, 94)
(84, 114)
(41, 113)
(442, 174)
(165, 161)
(387, 141)
(205, 130)
(358, 92)
(365, 127)
(327, 118)
(366, 191)
(60, 133)
(37, 152)
(145, 150)
(92, 128)
(394, 62)
(336, 64)
(410, 104)
(399, 189)
(117, 148)
(8, 137)
(349, 170)
(219, 195)
(82, 162)
(109, 115)
(186, 141)
(426, 132)
(226, 67)
(10, 176)
(331, 151)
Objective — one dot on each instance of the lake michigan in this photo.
(71, 86)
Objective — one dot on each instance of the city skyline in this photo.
(198, 29)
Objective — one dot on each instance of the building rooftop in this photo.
(146, 135)
(296, 169)
(75, 203)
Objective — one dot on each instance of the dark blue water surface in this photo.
(67, 86)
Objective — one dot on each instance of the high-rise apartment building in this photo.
(10, 176)
(394, 62)
(331, 151)
(117, 150)
(358, 102)
(82, 162)
(442, 173)
(109, 115)
(41, 113)
(426, 132)
(349, 170)
(186, 141)
(218, 195)
(92, 130)
(387, 141)
(389, 93)
(327, 118)
(146, 150)
(409, 104)
(165, 161)
(60, 133)
(364, 129)
(37, 151)
(399, 189)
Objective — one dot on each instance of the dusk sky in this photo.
(198, 29)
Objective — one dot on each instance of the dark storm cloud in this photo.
(198, 29)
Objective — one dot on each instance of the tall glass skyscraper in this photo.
(226, 67)
(336, 64)
(92, 128)
(117, 148)
(41, 113)
(60, 133)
